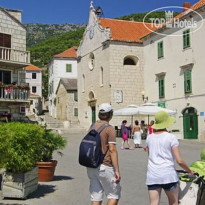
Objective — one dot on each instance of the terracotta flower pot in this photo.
(46, 170)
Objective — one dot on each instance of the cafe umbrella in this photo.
(130, 110)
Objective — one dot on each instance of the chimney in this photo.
(186, 6)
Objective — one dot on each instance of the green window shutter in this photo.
(187, 81)
(68, 68)
(161, 87)
(75, 112)
(160, 50)
(75, 96)
(186, 39)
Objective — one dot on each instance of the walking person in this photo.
(42, 123)
(150, 129)
(106, 178)
(144, 129)
(125, 131)
(136, 131)
(163, 149)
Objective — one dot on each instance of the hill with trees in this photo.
(36, 33)
(42, 53)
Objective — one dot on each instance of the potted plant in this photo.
(46, 167)
(19, 151)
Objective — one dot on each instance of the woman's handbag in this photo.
(125, 136)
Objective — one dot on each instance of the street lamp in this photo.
(145, 99)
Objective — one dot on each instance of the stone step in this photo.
(81, 131)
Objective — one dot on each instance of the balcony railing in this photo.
(16, 56)
(14, 93)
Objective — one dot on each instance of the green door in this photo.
(190, 123)
(93, 115)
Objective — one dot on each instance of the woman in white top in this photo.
(136, 131)
(163, 149)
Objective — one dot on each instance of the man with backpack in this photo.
(106, 177)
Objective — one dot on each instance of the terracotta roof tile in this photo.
(196, 6)
(122, 30)
(69, 53)
(33, 95)
(33, 68)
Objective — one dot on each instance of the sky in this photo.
(77, 11)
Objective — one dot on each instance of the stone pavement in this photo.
(70, 185)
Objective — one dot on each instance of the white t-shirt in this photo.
(161, 168)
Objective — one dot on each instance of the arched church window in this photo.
(91, 62)
(130, 60)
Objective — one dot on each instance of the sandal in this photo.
(131, 148)
(122, 148)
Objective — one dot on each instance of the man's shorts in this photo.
(166, 187)
(102, 181)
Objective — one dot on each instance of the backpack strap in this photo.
(102, 128)
(92, 127)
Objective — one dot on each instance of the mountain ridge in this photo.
(37, 33)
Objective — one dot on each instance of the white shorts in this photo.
(102, 181)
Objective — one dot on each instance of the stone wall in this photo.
(116, 76)
(65, 105)
(17, 31)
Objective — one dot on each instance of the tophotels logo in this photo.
(186, 19)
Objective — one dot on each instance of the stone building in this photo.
(14, 91)
(63, 65)
(67, 101)
(110, 65)
(174, 71)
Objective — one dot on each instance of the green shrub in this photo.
(20, 146)
(51, 142)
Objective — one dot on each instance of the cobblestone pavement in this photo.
(70, 185)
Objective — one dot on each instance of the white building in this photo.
(174, 72)
(34, 79)
(63, 65)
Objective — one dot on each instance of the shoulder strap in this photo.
(102, 128)
(92, 127)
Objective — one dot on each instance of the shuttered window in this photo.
(75, 96)
(187, 81)
(68, 68)
(5, 40)
(160, 50)
(75, 112)
(186, 39)
(161, 87)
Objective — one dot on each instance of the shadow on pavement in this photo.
(61, 178)
(42, 191)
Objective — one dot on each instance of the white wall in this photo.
(35, 82)
(175, 57)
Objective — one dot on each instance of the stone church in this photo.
(110, 65)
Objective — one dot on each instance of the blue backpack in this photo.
(90, 152)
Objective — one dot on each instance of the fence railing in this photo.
(9, 93)
(9, 54)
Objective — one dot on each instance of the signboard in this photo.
(162, 104)
(23, 109)
(201, 113)
(118, 96)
